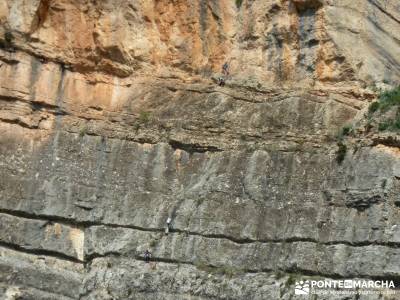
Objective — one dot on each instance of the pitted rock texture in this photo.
(110, 122)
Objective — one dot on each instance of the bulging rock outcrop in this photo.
(110, 122)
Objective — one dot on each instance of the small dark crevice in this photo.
(72, 222)
(89, 258)
(33, 216)
(9, 61)
(165, 260)
(96, 108)
(87, 208)
(193, 148)
(361, 204)
(18, 122)
(308, 4)
(43, 252)
(38, 106)
(313, 42)
(213, 13)
(275, 8)
(389, 141)
(7, 43)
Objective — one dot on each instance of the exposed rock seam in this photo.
(88, 224)
(384, 11)
(55, 110)
(35, 251)
(94, 256)
(294, 271)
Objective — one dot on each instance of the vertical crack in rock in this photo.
(40, 15)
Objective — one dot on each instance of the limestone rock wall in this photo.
(319, 41)
(110, 122)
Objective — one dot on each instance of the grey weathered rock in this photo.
(110, 124)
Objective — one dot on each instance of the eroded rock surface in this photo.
(110, 122)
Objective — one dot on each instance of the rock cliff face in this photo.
(110, 122)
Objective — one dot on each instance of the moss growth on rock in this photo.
(373, 107)
(144, 116)
(345, 131)
(391, 124)
(341, 152)
(390, 98)
(82, 131)
(387, 99)
(382, 110)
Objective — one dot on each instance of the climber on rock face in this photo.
(168, 228)
(147, 256)
(225, 67)
(221, 81)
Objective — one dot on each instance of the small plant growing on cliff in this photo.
(199, 201)
(238, 3)
(386, 100)
(346, 130)
(390, 98)
(341, 152)
(291, 280)
(279, 274)
(343, 132)
(144, 116)
(390, 125)
(82, 131)
(396, 123)
(374, 106)
(382, 126)
(136, 126)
